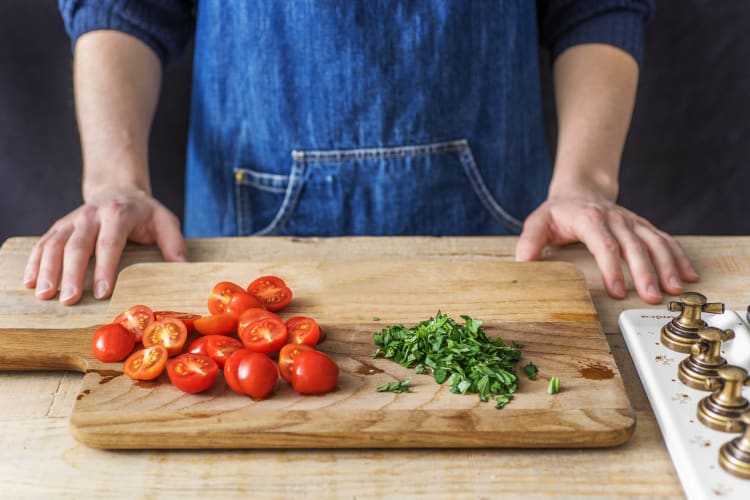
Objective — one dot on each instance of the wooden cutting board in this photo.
(543, 305)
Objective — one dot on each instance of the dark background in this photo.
(685, 166)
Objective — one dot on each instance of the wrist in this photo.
(582, 183)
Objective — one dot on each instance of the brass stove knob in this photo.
(722, 409)
(699, 369)
(682, 332)
(734, 456)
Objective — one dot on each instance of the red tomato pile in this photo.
(237, 338)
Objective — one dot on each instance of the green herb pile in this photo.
(462, 356)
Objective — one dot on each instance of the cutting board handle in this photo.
(27, 349)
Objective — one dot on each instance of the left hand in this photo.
(612, 234)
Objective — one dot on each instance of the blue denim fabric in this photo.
(379, 117)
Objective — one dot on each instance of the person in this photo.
(382, 117)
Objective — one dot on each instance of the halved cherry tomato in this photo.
(136, 319)
(216, 324)
(221, 295)
(286, 358)
(146, 364)
(186, 318)
(241, 301)
(169, 332)
(216, 347)
(272, 291)
(302, 330)
(250, 373)
(112, 342)
(252, 315)
(192, 372)
(314, 373)
(266, 335)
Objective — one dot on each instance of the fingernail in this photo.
(43, 287)
(618, 287)
(675, 283)
(67, 292)
(182, 257)
(28, 279)
(652, 290)
(101, 289)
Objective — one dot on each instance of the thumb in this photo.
(534, 237)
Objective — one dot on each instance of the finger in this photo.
(662, 257)
(686, 269)
(168, 236)
(109, 246)
(78, 251)
(51, 262)
(605, 248)
(637, 256)
(31, 271)
(534, 237)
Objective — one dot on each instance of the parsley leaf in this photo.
(462, 356)
(397, 386)
(531, 370)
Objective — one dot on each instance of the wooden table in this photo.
(40, 459)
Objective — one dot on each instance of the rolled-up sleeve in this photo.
(164, 25)
(621, 23)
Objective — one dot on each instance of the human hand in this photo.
(101, 227)
(611, 233)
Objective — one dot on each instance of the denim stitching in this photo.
(290, 200)
(380, 153)
(480, 188)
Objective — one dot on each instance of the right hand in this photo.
(101, 227)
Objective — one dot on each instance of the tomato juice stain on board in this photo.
(146, 384)
(83, 394)
(106, 375)
(368, 369)
(597, 371)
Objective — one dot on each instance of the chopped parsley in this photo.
(397, 386)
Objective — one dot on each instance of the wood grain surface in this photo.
(543, 305)
(41, 459)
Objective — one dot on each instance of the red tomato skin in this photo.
(254, 314)
(266, 336)
(230, 370)
(154, 359)
(220, 347)
(198, 346)
(314, 373)
(286, 359)
(186, 318)
(272, 291)
(240, 302)
(192, 373)
(302, 330)
(136, 319)
(257, 375)
(112, 342)
(216, 324)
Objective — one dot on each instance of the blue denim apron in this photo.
(377, 117)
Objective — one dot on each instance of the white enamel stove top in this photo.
(694, 448)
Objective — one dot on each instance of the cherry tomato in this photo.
(136, 319)
(216, 347)
(112, 342)
(266, 335)
(241, 301)
(250, 373)
(192, 372)
(302, 330)
(216, 324)
(146, 364)
(286, 358)
(169, 332)
(314, 373)
(272, 291)
(252, 315)
(186, 318)
(221, 295)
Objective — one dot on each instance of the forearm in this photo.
(117, 81)
(595, 87)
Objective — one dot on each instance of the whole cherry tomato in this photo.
(241, 301)
(192, 372)
(112, 342)
(272, 291)
(251, 373)
(314, 373)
